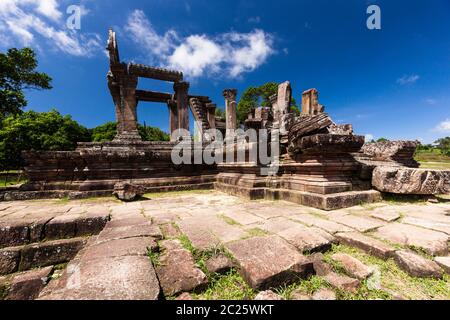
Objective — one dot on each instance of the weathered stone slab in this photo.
(62, 227)
(307, 239)
(386, 214)
(444, 263)
(342, 282)
(243, 218)
(268, 295)
(321, 268)
(428, 224)
(327, 225)
(207, 231)
(297, 294)
(50, 253)
(219, 264)
(352, 266)
(416, 265)
(278, 224)
(366, 243)
(27, 285)
(127, 191)
(169, 230)
(141, 230)
(131, 220)
(118, 278)
(177, 271)
(14, 233)
(324, 294)
(361, 224)
(9, 260)
(267, 262)
(404, 180)
(120, 247)
(432, 242)
(91, 223)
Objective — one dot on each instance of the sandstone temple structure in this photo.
(320, 163)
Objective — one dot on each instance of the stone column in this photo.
(125, 100)
(173, 116)
(230, 109)
(284, 99)
(310, 102)
(181, 94)
(211, 114)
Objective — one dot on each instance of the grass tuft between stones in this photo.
(393, 280)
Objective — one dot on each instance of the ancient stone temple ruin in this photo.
(319, 163)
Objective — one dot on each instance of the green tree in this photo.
(104, 132)
(152, 133)
(38, 131)
(382, 140)
(220, 112)
(254, 97)
(107, 132)
(18, 73)
(443, 143)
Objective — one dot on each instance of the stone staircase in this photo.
(199, 112)
(31, 249)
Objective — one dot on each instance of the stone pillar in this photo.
(310, 102)
(124, 96)
(211, 114)
(173, 116)
(274, 103)
(284, 99)
(230, 109)
(181, 94)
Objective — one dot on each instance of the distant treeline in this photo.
(53, 131)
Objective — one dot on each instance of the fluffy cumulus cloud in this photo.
(24, 22)
(408, 79)
(444, 126)
(229, 54)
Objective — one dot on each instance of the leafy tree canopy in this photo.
(107, 132)
(37, 131)
(254, 97)
(17, 73)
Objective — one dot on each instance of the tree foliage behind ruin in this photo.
(18, 73)
(38, 131)
(254, 97)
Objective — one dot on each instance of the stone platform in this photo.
(271, 243)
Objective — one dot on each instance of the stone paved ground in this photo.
(381, 251)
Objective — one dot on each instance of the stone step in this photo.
(366, 243)
(416, 265)
(20, 258)
(268, 262)
(177, 271)
(433, 242)
(112, 265)
(24, 231)
(24, 285)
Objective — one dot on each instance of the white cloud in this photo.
(444, 126)
(256, 19)
(431, 101)
(369, 137)
(408, 79)
(229, 54)
(24, 22)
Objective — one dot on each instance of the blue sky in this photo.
(392, 82)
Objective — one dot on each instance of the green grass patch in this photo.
(391, 198)
(392, 279)
(154, 258)
(256, 232)
(230, 286)
(229, 220)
